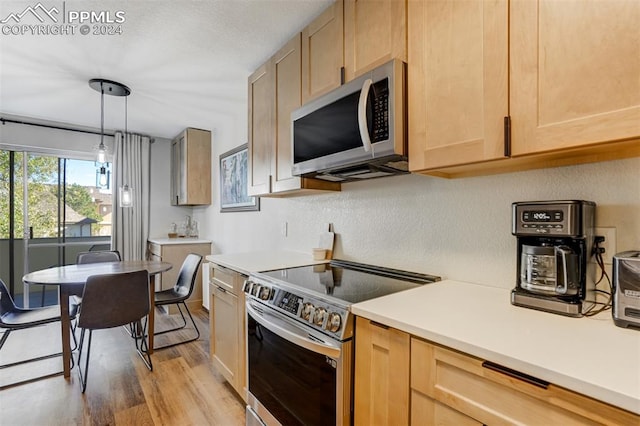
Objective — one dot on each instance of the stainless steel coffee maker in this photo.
(555, 240)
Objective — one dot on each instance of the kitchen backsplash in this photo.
(458, 229)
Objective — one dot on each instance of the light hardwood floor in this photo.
(183, 389)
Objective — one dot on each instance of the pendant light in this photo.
(106, 87)
(113, 88)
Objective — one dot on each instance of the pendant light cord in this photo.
(101, 115)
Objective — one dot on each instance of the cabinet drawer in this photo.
(494, 395)
(226, 278)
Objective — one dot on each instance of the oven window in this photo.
(296, 385)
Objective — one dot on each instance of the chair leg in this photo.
(195, 327)
(83, 377)
(142, 345)
(184, 323)
(4, 338)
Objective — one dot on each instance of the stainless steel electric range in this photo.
(300, 339)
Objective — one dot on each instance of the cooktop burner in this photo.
(349, 282)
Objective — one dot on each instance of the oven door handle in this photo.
(292, 332)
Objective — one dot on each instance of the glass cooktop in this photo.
(349, 281)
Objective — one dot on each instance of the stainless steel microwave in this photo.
(355, 132)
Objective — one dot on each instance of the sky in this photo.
(82, 172)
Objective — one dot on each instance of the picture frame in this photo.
(234, 182)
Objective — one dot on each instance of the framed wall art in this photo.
(233, 182)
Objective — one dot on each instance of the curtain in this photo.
(131, 167)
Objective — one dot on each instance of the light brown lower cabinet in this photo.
(226, 321)
(402, 379)
(381, 375)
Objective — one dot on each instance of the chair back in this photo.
(98, 256)
(187, 275)
(112, 300)
(6, 301)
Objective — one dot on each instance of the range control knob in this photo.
(247, 286)
(334, 322)
(264, 293)
(307, 310)
(318, 317)
(255, 289)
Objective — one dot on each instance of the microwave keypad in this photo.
(380, 131)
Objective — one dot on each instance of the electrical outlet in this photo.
(609, 244)
(284, 229)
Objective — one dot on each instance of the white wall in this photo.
(458, 229)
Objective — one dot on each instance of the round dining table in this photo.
(71, 279)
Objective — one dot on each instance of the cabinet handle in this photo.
(221, 289)
(377, 324)
(516, 374)
(507, 136)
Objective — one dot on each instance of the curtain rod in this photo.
(70, 129)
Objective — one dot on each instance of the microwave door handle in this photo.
(362, 115)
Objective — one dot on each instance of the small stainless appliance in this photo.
(356, 131)
(555, 242)
(626, 289)
(300, 339)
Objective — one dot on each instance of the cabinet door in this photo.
(261, 130)
(575, 68)
(177, 172)
(322, 53)
(224, 342)
(375, 31)
(288, 92)
(381, 375)
(196, 165)
(457, 81)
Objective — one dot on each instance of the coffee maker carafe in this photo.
(555, 239)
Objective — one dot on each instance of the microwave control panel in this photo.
(379, 94)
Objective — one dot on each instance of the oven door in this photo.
(296, 376)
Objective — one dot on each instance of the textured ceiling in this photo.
(186, 62)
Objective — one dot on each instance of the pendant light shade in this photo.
(125, 196)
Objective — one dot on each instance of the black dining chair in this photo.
(177, 295)
(13, 318)
(98, 256)
(113, 300)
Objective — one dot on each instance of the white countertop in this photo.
(587, 355)
(189, 240)
(260, 261)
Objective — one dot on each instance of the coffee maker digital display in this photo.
(555, 239)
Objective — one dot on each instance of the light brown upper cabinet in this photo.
(261, 130)
(274, 92)
(375, 31)
(457, 82)
(570, 84)
(191, 168)
(575, 73)
(322, 53)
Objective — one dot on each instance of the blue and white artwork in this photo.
(233, 181)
